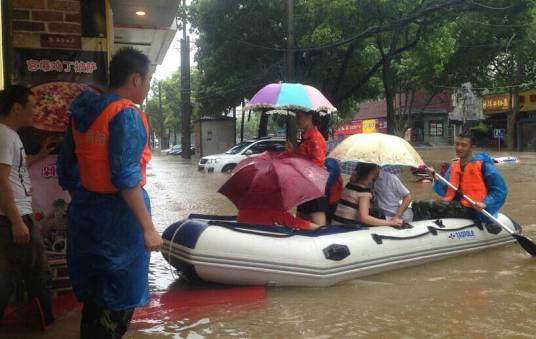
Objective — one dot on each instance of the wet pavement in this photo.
(490, 294)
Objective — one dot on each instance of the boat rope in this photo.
(171, 269)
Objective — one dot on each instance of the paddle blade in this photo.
(526, 243)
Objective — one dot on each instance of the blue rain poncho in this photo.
(108, 264)
(497, 189)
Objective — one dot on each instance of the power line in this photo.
(488, 6)
(528, 84)
(500, 25)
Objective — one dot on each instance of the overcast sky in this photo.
(172, 60)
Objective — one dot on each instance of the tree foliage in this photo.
(166, 123)
(353, 50)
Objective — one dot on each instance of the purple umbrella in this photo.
(284, 96)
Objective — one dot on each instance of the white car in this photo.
(226, 162)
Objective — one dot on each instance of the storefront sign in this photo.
(349, 129)
(495, 103)
(61, 41)
(369, 126)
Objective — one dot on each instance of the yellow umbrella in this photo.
(377, 148)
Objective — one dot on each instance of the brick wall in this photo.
(46, 16)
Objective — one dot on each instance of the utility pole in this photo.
(290, 41)
(242, 121)
(291, 119)
(160, 115)
(186, 106)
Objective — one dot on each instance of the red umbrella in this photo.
(277, 181)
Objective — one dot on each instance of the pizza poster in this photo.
(56, 77)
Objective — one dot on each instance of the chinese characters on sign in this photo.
(33, 65)
(496, 103)
(61, 41)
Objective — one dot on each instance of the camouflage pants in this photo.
(98, 322)
(437, 209)
(24, 265)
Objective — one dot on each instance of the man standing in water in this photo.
(475, 175)
(103, 164)
(21, 247)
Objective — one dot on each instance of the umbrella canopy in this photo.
(277, 181)
(284, 96)
(377, 148)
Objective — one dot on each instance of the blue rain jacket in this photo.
(497, 189)
(106, 256)
(334, 170)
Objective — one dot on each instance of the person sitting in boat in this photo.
(388, 191)
(313, 146)
(354, 205)
(262, 216)
(334, 186)
(475, 175)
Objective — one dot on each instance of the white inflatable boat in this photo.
(217, 249)
(506, 160)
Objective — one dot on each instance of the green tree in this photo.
(167, 124)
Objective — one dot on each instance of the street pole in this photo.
(290, 41)
(242, 121)
(160, 115)
(186, 106)
(291, 119)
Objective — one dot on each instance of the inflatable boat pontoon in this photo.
(217, 249)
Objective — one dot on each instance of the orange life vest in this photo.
(91, 149)
(470, 181)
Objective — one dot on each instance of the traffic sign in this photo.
(499, 133)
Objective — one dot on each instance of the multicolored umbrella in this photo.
(284, 96)
(277, 181)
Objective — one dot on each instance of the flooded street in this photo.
(490, 294)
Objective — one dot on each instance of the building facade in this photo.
(427, 118)
(496, 109)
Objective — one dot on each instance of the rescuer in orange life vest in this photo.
(102, 163)
(476, 176)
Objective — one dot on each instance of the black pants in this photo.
(98, 322)
(437, 209)
(24, 264)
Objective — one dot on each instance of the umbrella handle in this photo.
(472, 202)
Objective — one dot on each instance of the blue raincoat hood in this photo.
(484, 157)
(86, 108)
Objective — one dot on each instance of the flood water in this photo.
(490, 294)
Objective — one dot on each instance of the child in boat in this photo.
(355, 200)
(264, 216)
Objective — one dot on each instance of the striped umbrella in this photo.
(288, 97)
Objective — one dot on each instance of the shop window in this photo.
(436, 128)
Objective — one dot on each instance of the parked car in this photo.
(174, 150)
(177, 150)
(226, 162)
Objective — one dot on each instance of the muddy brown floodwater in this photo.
(491, 294)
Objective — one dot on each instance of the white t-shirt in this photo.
(12, 154)
(388, 191)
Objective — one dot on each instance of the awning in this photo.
(151, 33)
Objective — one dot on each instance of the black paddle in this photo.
(525, 242)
